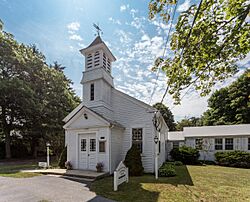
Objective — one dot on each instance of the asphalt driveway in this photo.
(46, 188)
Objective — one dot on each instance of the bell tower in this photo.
(97, 80)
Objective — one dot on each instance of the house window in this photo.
(218, 144)
(229, 144)
(83, 144)
(249, 143)
(102, 146)
(175, 145)
(137, 138)
(92, 91)
(198, 143)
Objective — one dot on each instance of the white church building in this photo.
(108, 122)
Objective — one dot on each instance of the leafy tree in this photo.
(133, 161)
(188, 122)
(34, 97)
(230, 105)
(167, 115)
(207, 42)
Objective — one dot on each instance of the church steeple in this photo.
(97, 54)
(97, 80)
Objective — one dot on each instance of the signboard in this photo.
(43, 164)
(120, 175)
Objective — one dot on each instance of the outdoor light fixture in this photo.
(156, 139)
(85, 116)
(48, 144)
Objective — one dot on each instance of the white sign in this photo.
(120, 175)
(43, 164)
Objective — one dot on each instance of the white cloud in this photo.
(118, 22)
(73, 26)
(75, 37)
(124, 7)
(183, 7)
(133, 12)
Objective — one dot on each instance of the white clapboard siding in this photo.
(116, 147)
(133, 115)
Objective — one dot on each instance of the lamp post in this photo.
(156, 140)
(48, 145)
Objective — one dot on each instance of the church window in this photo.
(97, 58)
(92, 91)
(108, 65)
(137, 138)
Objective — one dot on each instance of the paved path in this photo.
(46, 188)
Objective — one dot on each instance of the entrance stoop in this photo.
(87, 174)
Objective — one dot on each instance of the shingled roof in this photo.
(97, 40)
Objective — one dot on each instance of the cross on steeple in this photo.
(98, 29)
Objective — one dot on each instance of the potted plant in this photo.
(68, 165)
(99, 167)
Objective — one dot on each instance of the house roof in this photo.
(210, 131)
(221, 130)
(176, 136)
(71, 115)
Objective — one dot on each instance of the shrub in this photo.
(238, 159)
(133, 161)
(186, 155)
(167, 170)
(175, 163)
(63, 158)
(68, 165)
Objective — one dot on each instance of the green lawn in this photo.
(192, 183)
(15, 171)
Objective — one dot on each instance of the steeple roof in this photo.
(97, 41)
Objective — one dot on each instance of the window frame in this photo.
(92, 92)
(248, 144)
(104, 146)
(83, 144)
(138, 141)
(231, 144)
(92, 149)
(218, 144)
(199, 147)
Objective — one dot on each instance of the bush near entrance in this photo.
(238, 159)
(186, 155)
(167, 170)
(133, 161)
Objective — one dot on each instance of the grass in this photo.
(15, 171)
(192, 183)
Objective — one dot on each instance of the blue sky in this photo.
(60, 28)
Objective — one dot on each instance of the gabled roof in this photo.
(77, 110)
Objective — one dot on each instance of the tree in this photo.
(167, 115)
(188, 122)
(230, 105)
(207, 42)
(34, 97)
(133, 161)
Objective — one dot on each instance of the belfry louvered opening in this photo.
(97, 58)
(89, 60)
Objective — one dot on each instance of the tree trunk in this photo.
(34, 148)
(7, 144)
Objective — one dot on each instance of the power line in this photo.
(164, 50)
(186, 42)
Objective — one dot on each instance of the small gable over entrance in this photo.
(82, 117)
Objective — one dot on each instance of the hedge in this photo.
(238, 159)
(167, 170)
(187, 155)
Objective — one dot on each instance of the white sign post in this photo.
(120, 175)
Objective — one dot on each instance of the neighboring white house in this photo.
(107, 122)
(212, 139)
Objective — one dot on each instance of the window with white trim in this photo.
(92, 91)
(175, 145)
(92, 145)
(198, 143)
(102, 146)
(83, 144)
(229, 143)
(218, 144)
(137, 138)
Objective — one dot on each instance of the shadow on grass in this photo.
(144, 188)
